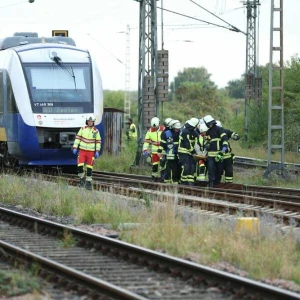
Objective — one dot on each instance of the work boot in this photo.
(154, 179)
(88, 185)
(211, 184)
(81, 182)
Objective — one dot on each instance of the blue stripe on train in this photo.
(25, 146)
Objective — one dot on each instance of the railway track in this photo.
(102, 268)
(262, 163)
(226, 199)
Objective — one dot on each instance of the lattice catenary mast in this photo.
(253, 83)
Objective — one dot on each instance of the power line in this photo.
(233, 28)
(209, 23)
(106, 49)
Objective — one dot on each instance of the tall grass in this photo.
(269, 254)
(163, 227)
(123, 163)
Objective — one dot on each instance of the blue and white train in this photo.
(47, 88)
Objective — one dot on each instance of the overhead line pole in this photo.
(276, 92)
(147, 73)
(252, 82)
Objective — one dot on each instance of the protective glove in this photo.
(233, 158)
(235, 137)
(97, 154)
(224, 149)
(75, 151)
(145, 152)
(219, 157)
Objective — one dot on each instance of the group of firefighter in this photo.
(188, 153)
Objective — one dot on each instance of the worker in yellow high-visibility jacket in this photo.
(153, 137)
(88, 141)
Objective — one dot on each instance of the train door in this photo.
(7, 128)
(3, 138)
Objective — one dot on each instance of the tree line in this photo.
(192, 93)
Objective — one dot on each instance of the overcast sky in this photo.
(100, 26)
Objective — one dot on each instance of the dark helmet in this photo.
(130, 120)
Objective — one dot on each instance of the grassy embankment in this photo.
(268, 254)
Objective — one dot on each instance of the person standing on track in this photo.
(170, 145)
(161, 153)
(88, 142)
(152, 137)
(216, 146)
(228, 158)
(186, 149)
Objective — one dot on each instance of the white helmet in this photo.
(193, 122)
(168, 121)
(90, 117)
(203, 128)
(219, 123)
(176, 124)
(201, 121)
(208, 120)
(155, 122)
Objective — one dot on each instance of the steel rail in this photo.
(84, 283)
(239, 286)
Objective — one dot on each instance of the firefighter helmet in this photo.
(218, 123)
(155, 122)
(209, 120)
(176, 124)
(203, 128)
(168, 121)
(201, 121)
(91, 117)
(193, 122)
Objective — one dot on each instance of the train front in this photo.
(64, 86)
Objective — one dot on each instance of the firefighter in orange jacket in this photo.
(153, 137)
(88, 141)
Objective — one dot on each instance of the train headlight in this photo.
(63, 138)
(67, 138)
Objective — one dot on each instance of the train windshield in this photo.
(60, 89)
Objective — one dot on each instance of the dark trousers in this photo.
(215, 170)
(188, 168)
(172, 171)
(228, 168)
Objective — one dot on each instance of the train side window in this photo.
(1, 92)
(11, 101)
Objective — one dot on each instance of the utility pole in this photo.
(147, 74)
(253, 83)
(127, 101)
(276, 91)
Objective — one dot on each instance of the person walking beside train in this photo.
(228, 157)
(186, 149)
(216, 146)
(87, 146)
(152, 137)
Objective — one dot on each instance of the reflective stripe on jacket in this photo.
(132, 131)
(187, 140)
(88, 138)
(153, 137)
(169, 142)
(216, 138)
